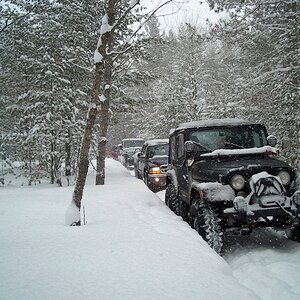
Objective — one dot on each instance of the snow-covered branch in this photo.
(278, 70)
(10, 21)
(131, 6)
(149, 17)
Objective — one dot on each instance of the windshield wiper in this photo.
(203, 147)
(234, 145)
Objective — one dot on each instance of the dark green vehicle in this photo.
(225, 177)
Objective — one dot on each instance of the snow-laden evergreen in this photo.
(246, 66)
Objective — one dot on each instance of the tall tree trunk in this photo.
(68, 157)
(52, 163)
(86, 141)
(83, 159)
(108, 40)
(104, 120)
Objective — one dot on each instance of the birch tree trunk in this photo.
(108, 40)
(101, 149)
(86, 143)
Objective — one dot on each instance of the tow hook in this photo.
(240, 204)
(239, 231)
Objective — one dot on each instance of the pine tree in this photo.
(46, 52)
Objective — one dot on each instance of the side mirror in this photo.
(189, 147)
(272, 140)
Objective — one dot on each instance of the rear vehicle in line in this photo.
(152, 162)
(129, 147)
(115, 151)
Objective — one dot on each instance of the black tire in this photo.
(125, 157)
(171, 199)
(206, 222)
(184, 209)
(293, 233)
(145, 178)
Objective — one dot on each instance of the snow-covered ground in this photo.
(133, 247)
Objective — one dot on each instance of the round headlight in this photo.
(237, 182)
(285, 177)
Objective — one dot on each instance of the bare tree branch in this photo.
(7, 22)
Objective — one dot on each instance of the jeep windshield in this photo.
(230, 137)
(158, 150)
(133, 143)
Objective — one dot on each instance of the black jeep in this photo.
(224, 177)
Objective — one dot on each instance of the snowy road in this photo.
(133, 248)
(267, 263)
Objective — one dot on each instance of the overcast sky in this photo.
(182, 11)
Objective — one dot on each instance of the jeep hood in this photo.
(212, 170)
(159, 160)
(131, 150)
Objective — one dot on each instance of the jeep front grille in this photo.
(163, 168)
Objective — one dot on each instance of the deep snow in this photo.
(133, 247)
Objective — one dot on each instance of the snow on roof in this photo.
(133, 139)
(157, 141)
(212, 123)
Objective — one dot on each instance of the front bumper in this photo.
(157, 179)
(130, 161)
(286, 212)
(255, 211)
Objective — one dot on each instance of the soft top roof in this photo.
(133, 139)
(156, 142)
(211, 123)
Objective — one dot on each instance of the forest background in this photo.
(246, 66)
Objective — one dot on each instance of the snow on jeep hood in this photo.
(159, 159)
(228, 152)
(131, 149)
(216, 191)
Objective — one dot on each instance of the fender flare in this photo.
(213, 191)
(195, 192)
(171, 178)
(195, 186)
